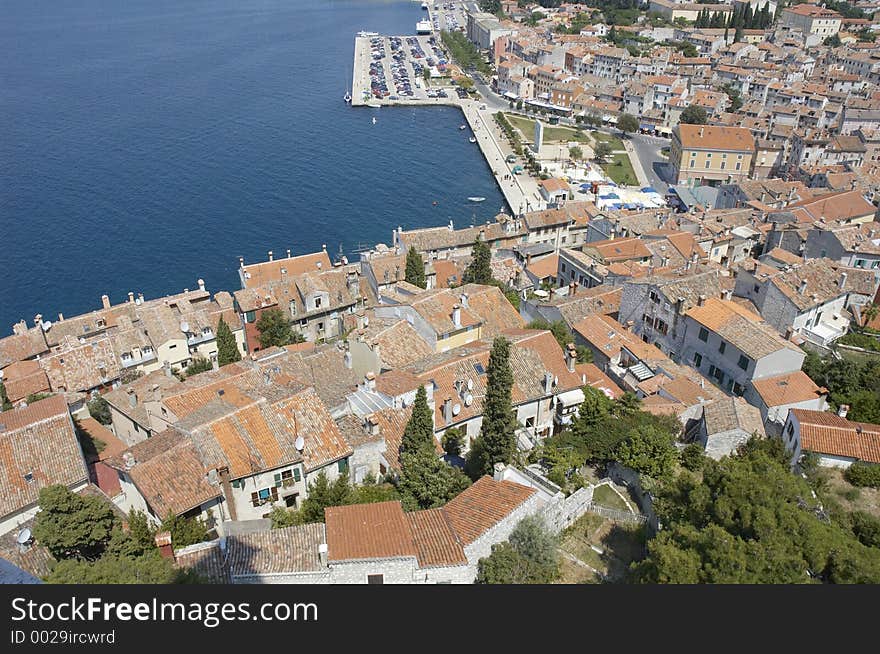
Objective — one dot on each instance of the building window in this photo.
(722, 347)
(703, 335)
(250, 316)
(698, 359)
(342, 465)
(653, 296)
(743, 362)
(756, 288)
(375, 579)
(738, 165)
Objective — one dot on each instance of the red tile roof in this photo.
(483, 505)
(368, 531)
(436, 542)
(828, 433)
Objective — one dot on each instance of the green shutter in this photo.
(296, 475)
(277, 477)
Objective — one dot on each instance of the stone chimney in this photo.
(464, 300)
(727, 294)
(371, 425)
(629, 325)
(270, 255)
(456, 316)
(843, 410)
(132, 398)
(548, 382)
(572, 289)
(322, 553)
(105, 301)
(447, 410)
(167, 367)
(498, 471)
(140, 299)
(571, 357)
(288, 253)
(803, 287)
(701, 300)
(370, 381)
(60, 317)
(130, 298)
(201, 284)
(842, 280)
(163, 542)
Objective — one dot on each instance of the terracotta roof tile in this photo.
(787, 389)
(368, 531)
(828, 433)
(483, 505)
(436, 542)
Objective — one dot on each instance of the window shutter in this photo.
(296, 474)
(277, 477)
(255, 497)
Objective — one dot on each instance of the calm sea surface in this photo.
(145, 144)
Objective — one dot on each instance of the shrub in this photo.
(863, 474)
(692, 457)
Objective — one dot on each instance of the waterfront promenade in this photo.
(521, 192)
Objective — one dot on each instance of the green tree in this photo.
(692, 457)
(227, 348)
(198, 364)
(415, 268)
(185, 531)
(323, 494)
(100, 410)
(694, 114)
(602, 151)
(479, 270)
(558, 328)
(5, 404)
(276, 329)
(627, 123)
(73, 526)
(282, 517)
(529, 557)
(140, 531)
(832, 41)
(453, 441)
(863, 474)
(419, 430)
(426, 481)
(576, 153)
(627, 404)
(109, 569)
(495, 444)
(649, 451)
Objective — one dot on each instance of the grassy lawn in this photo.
(551, 134)
(620, 170)
(850, 498)
(620, 545)
(605, 496)
(613, 141)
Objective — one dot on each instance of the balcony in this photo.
(195, 339)
(823, 334)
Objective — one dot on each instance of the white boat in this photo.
(472, 140)
(425, 5)
(374, 120)
(347, 96)
(476, 199)
(423, 27)
(367, 34)
(462, 127)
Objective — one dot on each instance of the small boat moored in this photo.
(476, 199)
(462, 127)
(347, 96)
(374, 120)
(472, 140)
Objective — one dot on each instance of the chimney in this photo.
(449, 226)
(464, 300)
(346, 358)
(803, 287)
(498, 471)
(370, 381)
(201, 284)
(167, 367)
(140, 299)
(322, 553)
(842, 279)
(130, 298)
(288, 253)
(629, 325)
(447, 410)
(371, 425)
(105, 301)
(270, 255)
(572, 289)
(163, 542)
(38, 319)
(701, 300)
(456, 316)
(843, 410)
(548, 382)
(789, 332)
(727, 294)
(701, 132)
(241, 262)
(377, 351)
(60, 317)
(132, 398)
(571, 357)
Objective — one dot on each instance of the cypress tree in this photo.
(419, 431)
(479, 270)
(496, 443)
(415, 268)
(227, 348)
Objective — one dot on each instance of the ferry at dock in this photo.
(423, 27)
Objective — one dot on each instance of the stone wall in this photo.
(561, 512)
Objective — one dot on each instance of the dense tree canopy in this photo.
(750, 520)
(627, 123)
(479, 270)
(276, 329)
(529, 557)
(100, 410)
(694, 115)
(71, 525)
(854, 383)
(415, 269)
(198, 364)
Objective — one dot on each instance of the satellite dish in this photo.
(456, 409)
(184, 326)
(470, 384)
(300, 443)
(468, 399)
(23, 536)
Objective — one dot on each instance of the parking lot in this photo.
(449, 16)
(397, 65)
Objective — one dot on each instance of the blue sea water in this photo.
(147, 143)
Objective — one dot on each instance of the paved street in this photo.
(647, 149)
